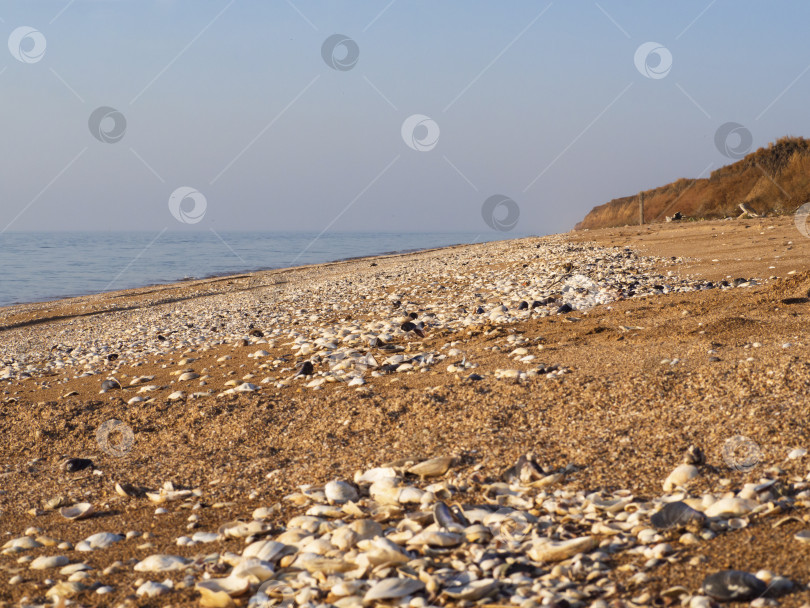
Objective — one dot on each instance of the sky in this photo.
(390, 116)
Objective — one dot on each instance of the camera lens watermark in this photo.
(107, 125)
(27, 44)
(653, 60)
(187, 216)
(500, 212)
(733, 140)
(741, 454)
(115, 438)
(344, 59)
(800, 218)
(420, 132)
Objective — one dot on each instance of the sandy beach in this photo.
(606, 354)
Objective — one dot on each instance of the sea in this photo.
(44, 266)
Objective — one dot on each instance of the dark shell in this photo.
(110, 384)
(733, 586)
(306, 369)
(523, 305)
(72, 465)
(564, 308)
(676, 514)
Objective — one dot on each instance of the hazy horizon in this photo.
(230, 116)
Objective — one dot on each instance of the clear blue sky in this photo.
(235, 100)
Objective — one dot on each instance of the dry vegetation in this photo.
(772, 180)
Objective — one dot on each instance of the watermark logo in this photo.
(340, 52)
(420, 132)
(115, 438)
(800, 217)
(27, 44)
(741, 454)
(187, 216)
(500, 212)
(733, 140)
(653, 60)
(107, 125)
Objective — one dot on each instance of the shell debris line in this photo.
(503, 424)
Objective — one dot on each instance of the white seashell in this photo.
(313, 563)
(392, 588)
(78, 511)
(339, 492)
(188, 376)
(148, 388)
(246, 387)
(410, 495)
(161, 563)
(167, 495)
(205, 537)
(432, 468)
(797, 453)
(23, 542)
(153, 589)
(267, 550)
(135, 400)
(436, 538)
(46, 563)
(680, 476)
(381, 550)
(177, 395)
(474, 590)
(234, 586)
(254, 570)
(545, 550)
(730, 507)
(102, 540)
(373, 475)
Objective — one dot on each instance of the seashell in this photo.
(234, 586)
(339, 492)
(733, 586)
(22, 543)
(803, 536)
(478, 533)
(176, 396)
(80, 510)
(102, 540)
(127, 489)
(254, 570)
(737, 523)
(313, 563)
(366, 528)
(373, 475)
(680, 476)
(677, 514)
(730, 507)
(65, 589)
(435, 538)
(474, 590)
(344, 538)
(153, 589)
(46, 563)
(167, 495)
(55, 503)
(432, 468)
(392, 588)
(188, 376)
(110, 385)
(267, 550)
(410, 495)
(72, 465)
(161, 563)
(381, 550)
(694, 455)
(545, 550)
(385, 491)
(246, 387)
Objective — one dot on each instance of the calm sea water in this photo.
(43, 266)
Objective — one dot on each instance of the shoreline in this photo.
(179, 283)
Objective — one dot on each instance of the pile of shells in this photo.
(410, 533)
(353, 323)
